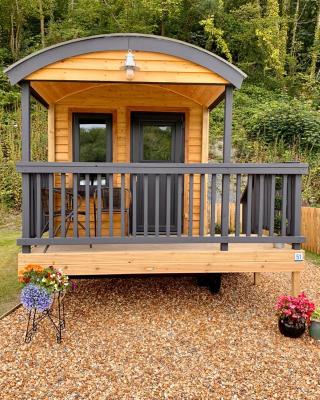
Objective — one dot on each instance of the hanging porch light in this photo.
(130, 65)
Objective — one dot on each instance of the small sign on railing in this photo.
(298, 257)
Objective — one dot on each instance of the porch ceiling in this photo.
(53, 92)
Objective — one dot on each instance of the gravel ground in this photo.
(164, 338)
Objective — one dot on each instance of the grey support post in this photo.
(26, 156)
(226, 159)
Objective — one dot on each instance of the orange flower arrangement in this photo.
(33, 267)
(28, 268)
(51, 278)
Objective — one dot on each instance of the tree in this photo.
(316, 47)
(294, 36)
(268, 35)
(215, 38)
(16, 24)
(283, 34)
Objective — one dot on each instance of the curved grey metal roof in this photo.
(19, 70)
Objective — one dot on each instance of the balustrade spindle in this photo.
(145, 204)
(179, 206)
(38, 206)
(190, 205)
(249, 207)
(99, 213)
(63, 205)
(156, 208)
(110, 176)
(51, 206)
(168, 205)
(87, 200)
(272, 202)
(261, 208)
(202, 200)
(284, 205)
(122, 201)
(238, 203)
(213, 205)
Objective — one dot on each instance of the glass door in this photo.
(157, 138)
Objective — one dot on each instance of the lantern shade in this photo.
(130, 65)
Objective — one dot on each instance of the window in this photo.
(92, 137)
(92, 140)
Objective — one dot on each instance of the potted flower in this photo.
(41, 285)
(315, 324)
(43, 290)
(294, 314)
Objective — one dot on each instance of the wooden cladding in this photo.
(120, 100)
(108, 66)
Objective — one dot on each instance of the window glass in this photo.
(93, 142)
(157, 140)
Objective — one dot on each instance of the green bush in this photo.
(292, 123)
(10, 151)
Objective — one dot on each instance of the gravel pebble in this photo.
(164, 338)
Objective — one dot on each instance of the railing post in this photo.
(296, 209)
(227, 130)
(226, 159)
(26, 156)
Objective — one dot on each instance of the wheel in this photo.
(211, 281)
(214, 283)
(202, 280)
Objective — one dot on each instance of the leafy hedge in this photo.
(292, 123)
(10, 150)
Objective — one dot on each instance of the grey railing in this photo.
(76, 203)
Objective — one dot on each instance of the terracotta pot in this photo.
(290, 329)
(315, 330)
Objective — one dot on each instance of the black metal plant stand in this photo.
(55, 314)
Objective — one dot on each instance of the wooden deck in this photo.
(169, 258)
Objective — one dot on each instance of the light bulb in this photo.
(129, 73)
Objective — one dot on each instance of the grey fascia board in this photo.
(159, 168)
(19, 70)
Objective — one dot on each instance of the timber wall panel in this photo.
(310, 228)
(108, 66)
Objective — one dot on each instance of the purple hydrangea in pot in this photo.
(35, 296)
(41, 285)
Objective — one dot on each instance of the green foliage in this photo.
(291, 122)
(10, 151)
(93, 144)
(8, 97)
(215, 37)
(316, 315)
(157, 143)
(9, 285)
